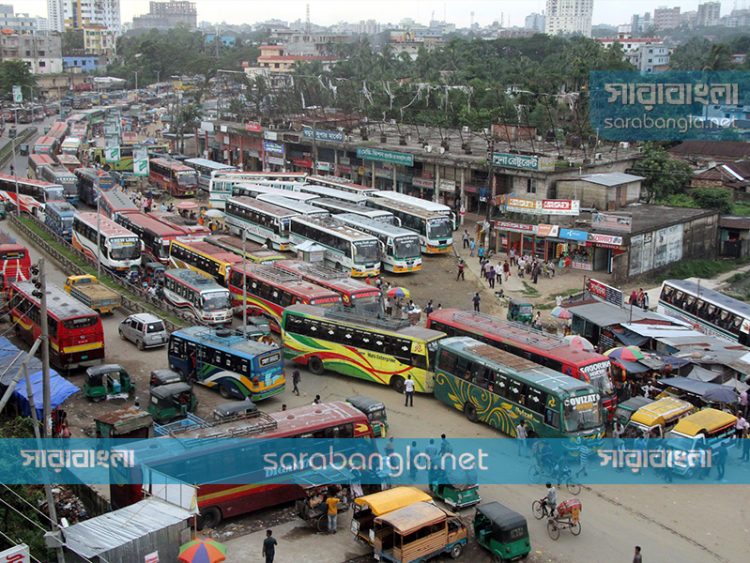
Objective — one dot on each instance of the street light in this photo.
(13, 167)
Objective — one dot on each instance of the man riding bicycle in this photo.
(549, 503)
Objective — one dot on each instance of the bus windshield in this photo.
(215, 301)
(54, 194)
(439, 227)
(366, 251)
(163, 249)
(598, 375)
(124, 250)
(407, 247)
(582, 416)
(67, 222)
(187, 178)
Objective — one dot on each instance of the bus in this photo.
(221, 186)
(225, 360)
(384, 351)
(125, 164)
(76, 334)
(45, 145)
(58, 216)
(435, 231)
(33, 195)
(252, 251)
(71, 146)
(270, 290)
(15, 265)
(545, 349)
(90, 180)
(68, 161)
(35, 163)
(706, 310)
(118, 248)
(335, 207)
(330, 193)
(173, 177)
(341, 184)
(219, 500)
(257, 190)
(57, 174)
(57, 131)
(500, 389)
(401, 250)
(114, 202)
(356, 252)
(190, 226)
(202, 257)
(199, 294)
(205, 169)
(263, 222)
(418, 203)
(297, 207)
(353, 292)
(155, 236)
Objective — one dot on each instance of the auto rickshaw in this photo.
(153, 271)
(501, 531)
(108, 381)
(161, 377)
(520, 311)
(257, 328)
(375, 411)
(457, 490)
(130, 422)
(171, 401)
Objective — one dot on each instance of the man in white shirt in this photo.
(408, 392)
(521, 435)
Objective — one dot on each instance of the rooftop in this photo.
(647, 218)
(729, 150)
(611, 179)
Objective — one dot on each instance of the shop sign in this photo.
(302, 162)
(573, 234)
(268, 146)
(427, 183)
(324, 166)
(606, 292)
(344, 160)
(276, 161)
(610, 222)
(514, 227)
(271, 135)
(447, 186)
(609, 240)
(344, 169)
(207, 126)
(253, 127)
(547, 230)
(522, 161)
(152, 557)
(112, 154)
(368, 153)
(520, 205)
(542, 206)
(323, 135)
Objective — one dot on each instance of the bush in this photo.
(708, 198)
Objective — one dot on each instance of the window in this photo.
(447, 361)
(530, 186)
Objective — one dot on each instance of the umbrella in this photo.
(399, 293)
(202, 551)
(213, 213)
(561, 313)
(187, 205)
(721, 394)
(578, 342)
(625, 353)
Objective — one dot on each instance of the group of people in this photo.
(639, 299)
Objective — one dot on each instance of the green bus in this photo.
(495, 387)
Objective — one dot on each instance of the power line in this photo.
(34, 508)
(15, 542)
(22, 515)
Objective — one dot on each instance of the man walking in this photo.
(637, 556)
(476, 300)
(461, 267)
(521, 435)
(295, 382)
(480, 254)
(472, 246)
(491, 277)
(408, 392)
(332, 503)
(269, 546)
(466, 238)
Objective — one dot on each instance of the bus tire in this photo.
(224, 391)
(471, 412)
(209, 518)
(397, 383)
(315, 365)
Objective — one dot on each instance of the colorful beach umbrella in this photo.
(625, 353)
(399, 293)
(561, 313)
(578, 342)
(202, 551)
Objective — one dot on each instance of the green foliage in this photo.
(529, 290)
(700, 269)
(72, 41)
(664, 176)
(15, 73)
(708, 198)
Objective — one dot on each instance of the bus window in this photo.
(448, 362)
(552, 418)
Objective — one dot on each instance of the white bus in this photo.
(119, 249)
(400, 247)
(199, 294)
(419, 203)
(355, 251)
(297, 207)
(206, 168)
(71, 146)
(330, 193)
(335, 207)
(262, 221)
(435, 231)
(221, 184)
(255, 190)
(341, 184)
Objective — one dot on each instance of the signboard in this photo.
(112, 154)
(276, 161)
(608, 240)
(271, 135)
(610, 222)
(547, 230)
(152, 557)
(543, 206)
(324, 166)
(515, 227)
(323, 135)
(606, 292)
(140, 162)
(17, 94)
(573, 234)
(522, 161)
(392, 157)
(253, 127)
(17, 554)
(447, 185)
(268, 146)
(428, 183)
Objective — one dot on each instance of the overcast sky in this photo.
(326, 12)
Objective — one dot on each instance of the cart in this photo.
(567, 517)
(312, 507)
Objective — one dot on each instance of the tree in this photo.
(709, 198)
(663, 175)
(72, 42)
(15, 73)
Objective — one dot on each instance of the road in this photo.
(671, 522)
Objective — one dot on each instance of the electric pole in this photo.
(40, 291)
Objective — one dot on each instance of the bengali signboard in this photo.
(514, 227)
(392, 157)
(17, 554)
(323, 135)
(611, 222)
(610, 241)
(522, 161)
(112, 154)
(140, 162)
(447, 185)
(17, 94)
(606, 292)
(543, 206)
(271, 135)
(545, 230)
(253, 127)
(427, 183)
(269, 146)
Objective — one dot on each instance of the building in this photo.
(736, 18)
(666, 18)
(41, 51)
(17, 22)
(55, 15)
(98, 40)
(704, 154)
(565, 17)
(166, 15)
(81, 13)
(733, 177)
(650, 58)
(534, 22)
(689, 19)
(84, 64)
(275, 59)
(369, 27)
(640, 23)
(709, 14)
(605, 192)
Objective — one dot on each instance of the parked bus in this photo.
(57, 131)
(545, 349)
(71, 146)
(155, 236)
(202, 257)
(89, 182)
(57, 174)
(418, 203)
(76, 334)
(401, 249)
(114, 202)
(35, 163)
(341, 184)
(296, 207)
(221, 186)
(336, 207)
(353, 292)
(330, 193)
(263, 222)
(356, 252)
(190, 226)
(205, 169)
(45, 145)
(199, 295)
(15, 265)
(220, 500)
(119, 249)
(225, 360)
(498, 388)
(257, 190)
(250, 250)
(707, 310)
(270, 290)
(68, 161)
(32, 194)
(173, 177)
(125, 164)
(378, 350)
(435, 231)
(58, 216)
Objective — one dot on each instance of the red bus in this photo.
(15, 265)
(112, 202)
(155, 235)
(544, 349)
(33, 194)
(36, 161)
(57, 131)
(352, 291)
(203, 257)
(219, 501)
(270, 291)
(175, 178)
(45, 145)
(190, 226)
(68, 161)
(76, 334)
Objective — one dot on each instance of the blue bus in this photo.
(90, 180)
(58, 216)
(226, 360)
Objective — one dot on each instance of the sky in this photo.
(327, 12)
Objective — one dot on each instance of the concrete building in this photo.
(17, 22)
(42, 51)
(275, 59)
(369, 27)
(689, 19)
(98, 40)
(535, 22)
(606, 192)
(736, 18)
(55, 15)
(565, 17)
(166, 15)
(709, 14)
(81, 13)
(640, 23)
(648, 54)
(666, 18)
(84, 64)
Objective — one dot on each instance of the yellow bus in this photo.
(204, 257)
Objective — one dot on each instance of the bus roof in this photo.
(714, 297)
(92, 173)
(270, 175)
(28, 181)
(343, 182)
(226, 340)
(408, 199)
(211, 250)
(145, 221)
(327, 277)
(380, 227)
(59, 303)
(196, 280)
(325, 191)
(258, 189)
(106, 225)
(328, 224)
(209, 164)
(117, 201)
(61, 207)
(346, 207)
(59, 170)
(290, 282)
(41, 159)
(261, 205)
(292, 205)
(496, 328)
(707, 419)
(63, 158)
(174, 165)
(404, 207)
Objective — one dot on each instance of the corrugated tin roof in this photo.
(606, 314)
(610, 179)
(729, 222)
(661, 331)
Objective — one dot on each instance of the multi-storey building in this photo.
(55, 15)
(166, 15)
(81, 13)
(666, 18)
(709, 14)
(569, 17)
(17, 22)
(534, 22)
(41, 51)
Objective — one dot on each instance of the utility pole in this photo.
(491, 163)
(41, 292)
(98, 237)
(244, 281)
(13, 169)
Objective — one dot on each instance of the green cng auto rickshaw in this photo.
(171, 401)
(520, 311)
(456, 489)
(108, 381)
(375, 411)
(153, 272)
(501, 531)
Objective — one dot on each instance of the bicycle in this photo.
(540, 509)
(537, 473)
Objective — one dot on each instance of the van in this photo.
(368, 507)
(707, 429)
(656, 419)
(145, 330)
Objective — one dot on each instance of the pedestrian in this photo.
(633, 297)
(413, 453)
(283, 407)
(408, 392)
(645, 302)
(476, 300)
(466, 238)
(741, 425)
(618, 429)
(537, 322)
(480, 253)
(333, 511)
(743, 402)
(445, 446)
(269, 546)
(506, 270)
(316, 400)
(746, 446)
(491, 277)
(521, 435)
(472, 246)
(584, 452)
(512, 256)
(721, 461)
(428, 308)
(499, 273)
(295, 382)
(461, 267)
(486, 269)
(387, 306)
(440, 306)
(637, 557)
(535, 269)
